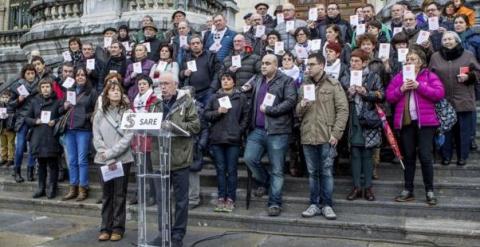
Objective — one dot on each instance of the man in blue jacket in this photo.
(220, 40)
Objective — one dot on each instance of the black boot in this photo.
(61, 175)
(52, 180)
(18, 175)
(42, 177)
(30, 173)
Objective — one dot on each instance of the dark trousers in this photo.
(417, 140)
(460, 133)
(226, 161)
(179, 178)
(51, 165)
(362, 162)
(114, 201)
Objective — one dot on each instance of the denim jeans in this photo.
(20, 143)
(320, 177)
(461, 134)
(226, 161)
(78, 148)
(204, 96)
(276, 147)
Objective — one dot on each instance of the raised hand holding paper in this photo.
(408, 72)
(356, 78)
(279, 48)
(91, 64)
(280, 18)
(260, 31)
(66, 56)
(290, 26)
(246, 28)
(402, 55)
(384, 51)
(268, 100)
(107, 42)
(72, 97)
(354, 20)
(361, 28)
(422, 37)
(147, 45)
(312, 14)
(433, 23)
(22, 90)
(45, 116)
(183, 41)
(236, 61)
(309, 92)
(68, 83)
(397, 30)
(137, 67)
(192, 66)
(225, 102)
(316, 44)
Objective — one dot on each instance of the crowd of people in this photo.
(281, 86)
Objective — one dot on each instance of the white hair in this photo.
(455, 36)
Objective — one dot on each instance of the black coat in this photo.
(20, 108)
(251, 65)
(42, 141)
(228, 128)
(118, 64)
(79, 118)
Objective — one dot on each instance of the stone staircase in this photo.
(455, 221)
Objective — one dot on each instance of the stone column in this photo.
(101, 10)
(231, 9)
(3, 15)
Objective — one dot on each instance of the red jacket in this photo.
(58, 91)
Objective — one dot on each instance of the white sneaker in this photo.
(328, 212)
(311, 211)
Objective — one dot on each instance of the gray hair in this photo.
(455, 36)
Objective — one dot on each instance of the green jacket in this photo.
(327, 116)
(184, 114)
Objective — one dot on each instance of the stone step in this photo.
(353, 224)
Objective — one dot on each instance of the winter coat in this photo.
(205, 79)
(8, 123)
(447, 67)
(179, 52)
(95, 74)
(20, 108)
(430, 90)
(251, 64)
(345, 29)
(81, 112)
(279, 116)
(288, 39)
(109, 139)
(155, 44)
(471, 41)
(184, 114)
(436, 36)
(140, 143)
(328, 114)
(130, 84)
(226, 42)
(118, 64)
(228, 128)
(257, 44)
(470, 13)
(43, 143)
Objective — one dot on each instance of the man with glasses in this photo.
(288, 38)
(93, 74)
(220, 40)
(433, 10)
(412, 31)
(257, 43)
(267, 19)
(323, 121)
(273, 100)
(333, 17)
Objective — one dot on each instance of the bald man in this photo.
(178, 109)
(273, 101)
(288, 37)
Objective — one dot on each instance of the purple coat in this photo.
(129, 81)
(430, 90)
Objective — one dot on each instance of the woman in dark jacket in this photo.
(78, 134)
(18, 103)
(363, 136)
(140, 56)
(43, 144)
(75, 48)
(227, 127)
(458, 69)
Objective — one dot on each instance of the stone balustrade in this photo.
(11, 38)
(51, 10)
(206, 7)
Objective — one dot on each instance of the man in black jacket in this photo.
(205, 79)
(117, 63)
(93, 74)
(333, 17)
(150, 32)
(273, 101)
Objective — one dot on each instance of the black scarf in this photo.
(451, 54)
(334, 20)
(411, 32)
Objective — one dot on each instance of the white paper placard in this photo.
(68, 83)
(3, 113)
(66, 56)
(409, 72)
(384, 50)
(162, 65)
(279, 48)
(192, 66)
(259, 31)
(290, 26)
(353, 20)
(397, 30)
(142, 121)
(402, 55)
(137, 67)
(268, 100)
(246, 28)
(433, 23)
(72, 97)
(313, 14)
(91, 64)
(237, 61)
(422, 37)
(183, 41)
(213, 28)
(356, 78)
(361, 28)
(309, 92)
(22, 90)
(45, 116)
(301, 52)
(108, 174)
(316, 44)
(107, 42)
(147, 45)
(225, 102)
(280, 18)
(215, 47)
(127, 46)
(112, 71)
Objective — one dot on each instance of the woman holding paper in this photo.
(43, 112)
(80, 101)
(302, 44)
(75, 49)
(228, 113)
(165, 64)
(364, 90)
(114, 155)
(334, 36)
(141, 65)
(458, 69)
(290, 68)
(414, 94)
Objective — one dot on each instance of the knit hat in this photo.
(335, 47)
